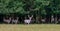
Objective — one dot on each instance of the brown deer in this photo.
(28, 20)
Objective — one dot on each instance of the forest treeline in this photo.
(48, 10)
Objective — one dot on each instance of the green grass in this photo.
(30, 27)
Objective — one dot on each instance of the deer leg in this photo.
(12, 22)
(8, 22)
(15, 22)
(28, 23)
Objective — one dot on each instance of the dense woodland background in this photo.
(40, 9)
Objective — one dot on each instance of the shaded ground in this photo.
(31, 27)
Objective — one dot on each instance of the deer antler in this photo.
(28, 16)
(32, 16)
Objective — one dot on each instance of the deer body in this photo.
(7, 20)
(15, 20)
(28, 20)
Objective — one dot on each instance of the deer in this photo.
(7, 20)
(52, 19)
(28, 20)
(15, 20)
(43, 20)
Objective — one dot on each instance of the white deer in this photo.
(15, 20)
(7, 20)
(43, 20)
(52, 18)
(28, 20)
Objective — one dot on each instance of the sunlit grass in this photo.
(30, 27)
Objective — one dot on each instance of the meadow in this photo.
(30, 27)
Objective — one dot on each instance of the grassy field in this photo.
(30, 27)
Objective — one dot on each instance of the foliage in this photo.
(39, 7)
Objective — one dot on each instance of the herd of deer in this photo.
(16, 20)
(26, 21)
